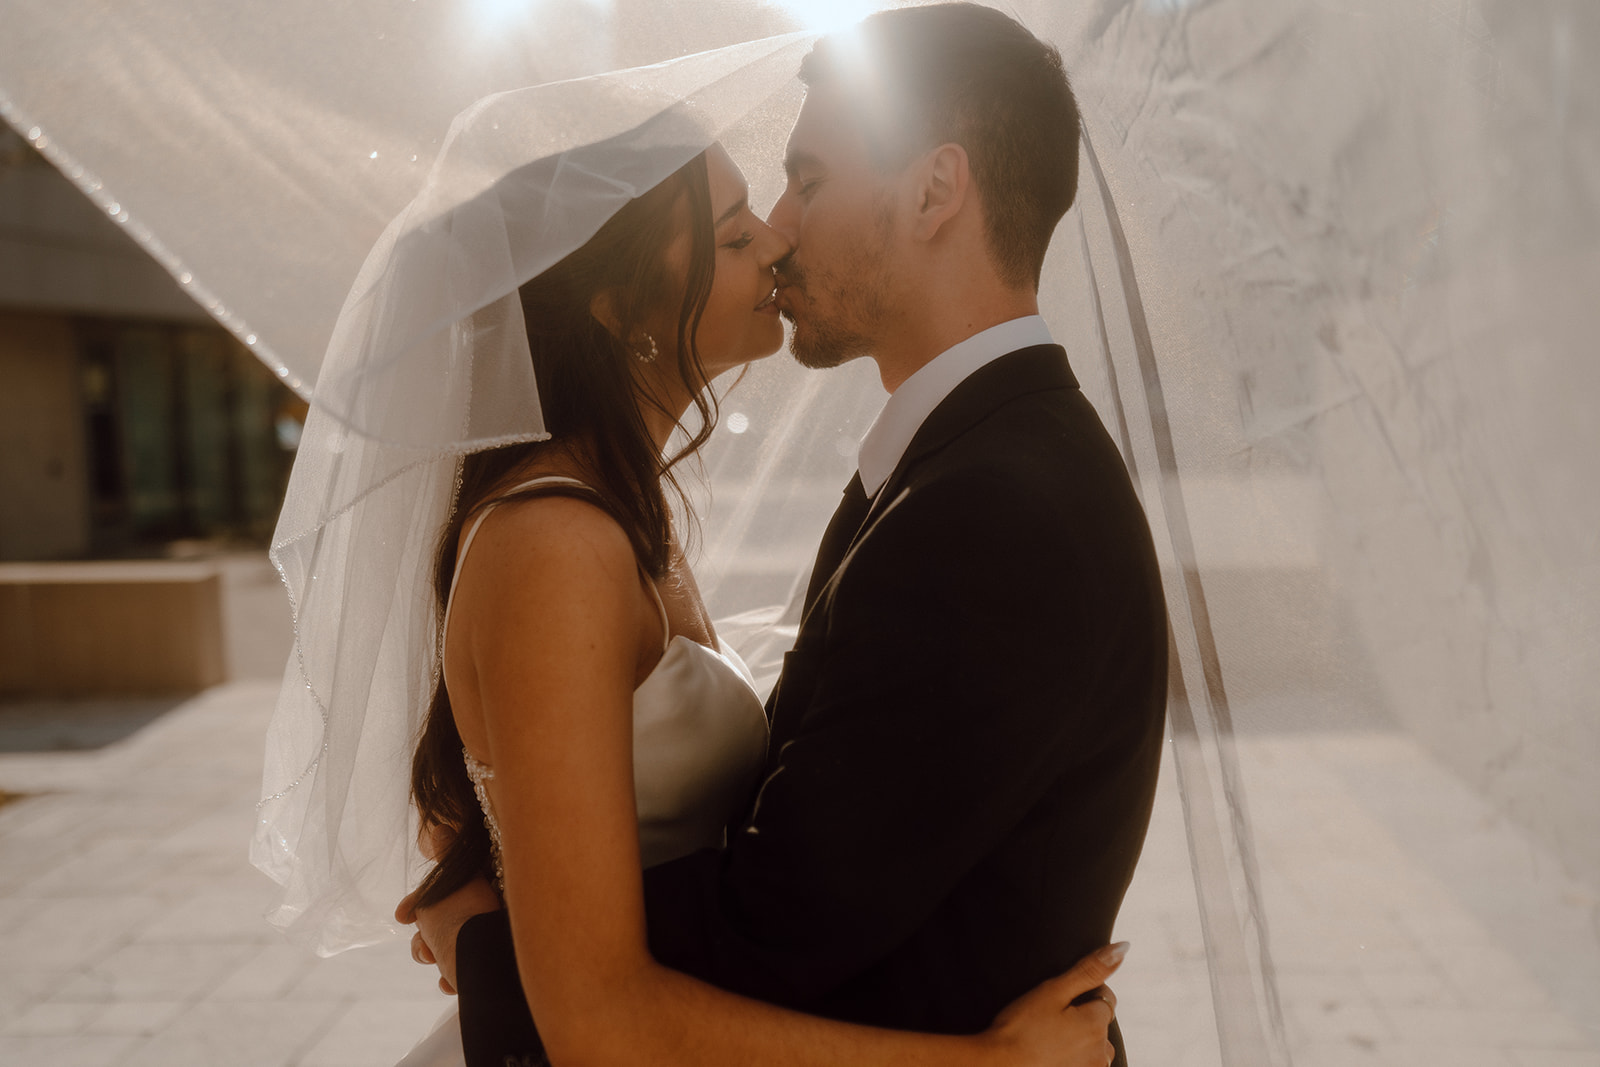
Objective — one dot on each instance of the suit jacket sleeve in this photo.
(962, 642)
(496, 1025)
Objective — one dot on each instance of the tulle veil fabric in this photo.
(1326, 281)
(428, 362)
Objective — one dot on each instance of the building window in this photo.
(189, 436)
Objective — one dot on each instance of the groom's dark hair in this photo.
(960, 73)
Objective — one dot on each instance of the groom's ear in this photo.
(943, 181)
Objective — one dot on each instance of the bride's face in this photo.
(741, 321)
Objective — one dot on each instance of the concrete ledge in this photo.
(113, 628)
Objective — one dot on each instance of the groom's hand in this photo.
(438, 924)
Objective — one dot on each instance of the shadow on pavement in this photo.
(78, 725)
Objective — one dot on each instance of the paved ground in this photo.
(1411, 925)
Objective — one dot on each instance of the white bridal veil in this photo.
(1330, 280)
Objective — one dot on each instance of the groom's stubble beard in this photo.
(844, 323)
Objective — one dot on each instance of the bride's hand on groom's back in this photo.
(1062, 1022)
(438, 924)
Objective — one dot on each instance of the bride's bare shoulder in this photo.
(552, 537)
(549, 596)
(551, 580)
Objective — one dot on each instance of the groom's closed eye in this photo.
(798, 163)
(803, 187)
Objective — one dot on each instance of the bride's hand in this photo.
(437, 925)
(1046, 1027)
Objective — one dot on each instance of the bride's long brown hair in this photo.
(588, 394)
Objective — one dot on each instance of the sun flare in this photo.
(824, 16)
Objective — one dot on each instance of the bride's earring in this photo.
(648, 357)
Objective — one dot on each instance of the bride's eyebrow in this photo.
(739, 205)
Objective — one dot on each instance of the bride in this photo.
(587, 721)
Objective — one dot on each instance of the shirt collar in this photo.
(886, 442)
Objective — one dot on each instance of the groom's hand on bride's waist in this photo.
(439, 923)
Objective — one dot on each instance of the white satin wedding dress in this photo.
(699, 738)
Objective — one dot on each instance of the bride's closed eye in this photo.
(741, 242)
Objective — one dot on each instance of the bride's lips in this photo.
(770, 303)
(780, 295)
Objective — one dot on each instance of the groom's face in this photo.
(838, 212)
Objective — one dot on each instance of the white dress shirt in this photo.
(918, 395)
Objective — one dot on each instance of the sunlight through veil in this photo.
(1327, 282)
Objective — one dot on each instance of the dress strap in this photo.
(661, 606)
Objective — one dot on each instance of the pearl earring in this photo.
(650, 356)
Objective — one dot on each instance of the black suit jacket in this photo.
(965, 738)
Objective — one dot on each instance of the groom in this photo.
(966, 735)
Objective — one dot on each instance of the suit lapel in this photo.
(838, 538)
(1015, 374)
(1027, 370)
(836, 541)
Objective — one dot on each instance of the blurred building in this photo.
(128, 419)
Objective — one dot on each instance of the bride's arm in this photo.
(546, 643)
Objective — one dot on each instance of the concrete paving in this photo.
(133, 921)
(1410, 923)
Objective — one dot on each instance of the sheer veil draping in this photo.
(1329, 281)
(428, 361)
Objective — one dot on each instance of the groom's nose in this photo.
(785, 218)
(776, 247)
